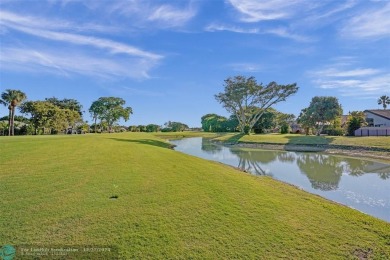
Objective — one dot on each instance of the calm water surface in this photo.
(360, 184)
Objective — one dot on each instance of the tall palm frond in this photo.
(12, 98)
(384, 101)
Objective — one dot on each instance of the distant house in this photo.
(297, 128)
(378, 121)
(378, 117)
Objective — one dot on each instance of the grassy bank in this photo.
(296, 139)
(185, 134)
(57, 189)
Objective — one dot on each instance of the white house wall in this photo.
(378, 121)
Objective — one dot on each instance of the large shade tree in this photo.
(248, 100)
(321, 111)
(110, 110)
(213, 123)
(384, 101)
(46, 115)
(12, 98)
(67, 103)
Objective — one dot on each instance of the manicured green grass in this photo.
(185, 134)
(367, 141)
(55, 191)
(380, 142)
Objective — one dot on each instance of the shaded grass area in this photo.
(152, 142)
(55, 190)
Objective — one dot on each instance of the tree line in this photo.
(249, 103)
(56, 116)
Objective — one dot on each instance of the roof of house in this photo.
(385, 113)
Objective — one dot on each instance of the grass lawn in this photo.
(185, 134)
(372, 141)
(55, 191)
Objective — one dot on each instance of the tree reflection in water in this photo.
(323, 171)
(286, 157)
(356, 167)
(254, 161)
(210, 147)
(384, 175)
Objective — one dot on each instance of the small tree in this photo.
(96, 111)
(141, 128)
(321, 111)
(248, 100)
(3, 127)
(306, 120)
(284, 121)
(174, 127)
(152, 128)
(356, 119)
(384, 101)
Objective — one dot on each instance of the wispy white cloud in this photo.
(365, 88)
(151, 14)
(255, 11)
(13, 19)
(372, 23)
(337, 9)
(114, 59)
(302, 16)
(349, 80)
(236, 29)
(25, 25)
(279, 31)
(337, 73)
(69, 63)
(285, 33)
(245, 67)
(111, 46)
(172, 16)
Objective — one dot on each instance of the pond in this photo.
(360, 184)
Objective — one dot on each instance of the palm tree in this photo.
(12, 98)
(384, 101)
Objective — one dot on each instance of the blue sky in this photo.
(168, 59)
